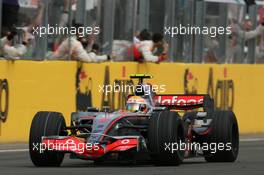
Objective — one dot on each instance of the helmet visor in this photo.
(132, 107)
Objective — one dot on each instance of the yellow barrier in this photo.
(35, 86)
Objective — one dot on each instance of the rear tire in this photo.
(46, 124)
(165, 127)
(224, 131)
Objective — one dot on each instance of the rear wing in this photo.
(184, 102)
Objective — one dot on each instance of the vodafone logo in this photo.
(178, 100)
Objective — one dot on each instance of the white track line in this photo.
(13, 150)
(252, 140)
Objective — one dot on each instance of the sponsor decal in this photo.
(83, 99)
(116, 99)
(4, 101)
(103, 120)
(174, 100)
(190, 83)
(223, 92)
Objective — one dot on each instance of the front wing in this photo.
(72, 144)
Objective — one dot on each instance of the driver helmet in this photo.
(137, 104)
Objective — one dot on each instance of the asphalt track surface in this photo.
(250, 161)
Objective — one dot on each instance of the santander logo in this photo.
(175, 100)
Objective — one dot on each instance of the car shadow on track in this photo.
(116, 164)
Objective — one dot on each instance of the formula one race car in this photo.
(149, 128)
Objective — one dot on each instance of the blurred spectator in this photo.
(122, 50)
(136, 39)
(13, 52)
(260, 42)
(63, 19)
(211, 46)
(75, 47)
(145, 50)
(250, 34)
(16, 41)
(240, 34)
(95, 49)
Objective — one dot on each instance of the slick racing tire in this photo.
(45, 124)
(165, 129)
(225, 132)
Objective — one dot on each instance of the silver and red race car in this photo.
(150, 128)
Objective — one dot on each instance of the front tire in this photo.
(46, 124)
(165, 127)
(224, 131)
